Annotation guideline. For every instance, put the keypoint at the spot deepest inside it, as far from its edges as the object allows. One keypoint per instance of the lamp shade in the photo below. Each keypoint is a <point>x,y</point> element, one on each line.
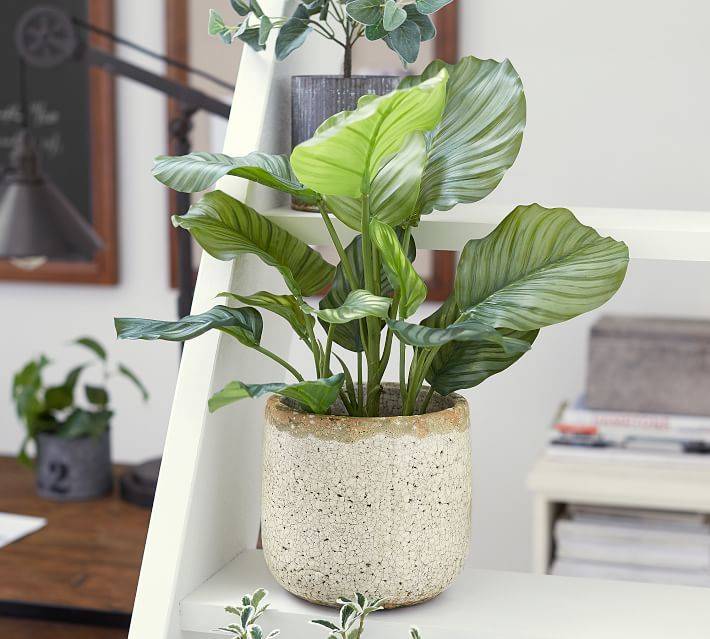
<point>36,219</point>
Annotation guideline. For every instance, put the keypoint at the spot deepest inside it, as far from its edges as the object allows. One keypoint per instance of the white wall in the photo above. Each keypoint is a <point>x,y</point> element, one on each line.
<point>617,116</point>
<point>41,317</point>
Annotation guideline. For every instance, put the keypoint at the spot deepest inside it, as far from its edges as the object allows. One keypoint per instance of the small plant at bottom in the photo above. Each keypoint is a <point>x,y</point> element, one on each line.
<point>350,623</point>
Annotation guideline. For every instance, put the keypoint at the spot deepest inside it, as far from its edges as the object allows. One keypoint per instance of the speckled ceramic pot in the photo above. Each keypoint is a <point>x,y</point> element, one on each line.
<point>379,505</point>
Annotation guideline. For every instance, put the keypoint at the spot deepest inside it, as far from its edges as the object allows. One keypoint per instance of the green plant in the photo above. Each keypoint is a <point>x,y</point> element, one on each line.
<point>403,25</point>
<point>54,410</point>
<point>349,625</point>
<point>443,138</point>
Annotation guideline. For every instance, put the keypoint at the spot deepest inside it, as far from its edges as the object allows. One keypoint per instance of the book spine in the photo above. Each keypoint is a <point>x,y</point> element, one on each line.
<point>608,422</point>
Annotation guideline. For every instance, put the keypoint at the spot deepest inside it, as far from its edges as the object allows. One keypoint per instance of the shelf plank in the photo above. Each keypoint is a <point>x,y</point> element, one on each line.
<point>650,234</point>
<point>481,604</point>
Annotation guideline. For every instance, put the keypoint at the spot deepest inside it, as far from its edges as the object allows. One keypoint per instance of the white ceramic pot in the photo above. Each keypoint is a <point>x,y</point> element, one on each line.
<point>379,505</point>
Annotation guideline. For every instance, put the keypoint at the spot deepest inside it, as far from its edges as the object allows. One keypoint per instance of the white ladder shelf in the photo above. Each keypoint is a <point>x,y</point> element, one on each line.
<point>205,519</point>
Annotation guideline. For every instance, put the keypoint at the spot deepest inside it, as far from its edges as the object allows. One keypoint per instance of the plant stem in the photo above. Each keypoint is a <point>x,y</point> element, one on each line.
<point>359,382</point>
<point>313,342</point>
<point>402,372</point>
<point>278,360</point>
<point>347,266</point>
<point>348,60</point>
<point>427,399</point>
<point>325,367</point>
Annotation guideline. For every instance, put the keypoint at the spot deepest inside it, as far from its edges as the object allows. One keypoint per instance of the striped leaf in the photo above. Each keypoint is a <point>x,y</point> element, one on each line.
<point>357,304</point>
<point>464,331</point>
<point>538,267</point>
<point>479,135</point>
<point>286,306</point>
<point>245,324</point>
<point>350,147</point>
<point>198,171</point>
<point>226,228</point>
<point>393,191</point>
<point>398,268</point>
<point>316,396</point>
<point>457,366</point>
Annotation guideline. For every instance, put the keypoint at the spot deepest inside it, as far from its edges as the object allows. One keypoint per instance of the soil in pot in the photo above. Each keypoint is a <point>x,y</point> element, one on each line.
<point>73,469</point>
<point>314,98</point>
<point>373,505</point>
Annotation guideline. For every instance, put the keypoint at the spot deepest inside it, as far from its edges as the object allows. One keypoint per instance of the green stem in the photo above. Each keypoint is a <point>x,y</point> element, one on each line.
<point>278,360</point>
<point>402,372</point>
<point>347,266</point>
<point>427,399</point>
<point>328,348</point>
<point>314,346</point>
<point>360,394</point>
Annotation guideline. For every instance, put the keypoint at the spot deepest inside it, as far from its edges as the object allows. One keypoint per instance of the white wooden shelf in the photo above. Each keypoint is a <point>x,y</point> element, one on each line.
<point>481,604</point>
<point>650,234</point>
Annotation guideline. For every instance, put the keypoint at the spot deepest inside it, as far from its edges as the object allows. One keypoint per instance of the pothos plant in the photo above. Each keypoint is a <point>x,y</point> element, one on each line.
<point>443,138</point>
<point>402,25</point>
<point>350,623</point>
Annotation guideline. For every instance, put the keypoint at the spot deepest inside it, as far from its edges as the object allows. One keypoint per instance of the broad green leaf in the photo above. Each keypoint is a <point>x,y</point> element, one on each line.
<point>394,190</point>
<point>256,8</point>
<point>265,26</point>
<point>375,31</point>
<point>62,396</point>
<point>325,623</point>
<point>215,24</point>
<point>83,423</point>
<point>427,30</point>
<point>465,365</point>
<point>131,376</point>
<point>198,171</point>
<point>357,304</point>
<point>538,267</point>
<point>393,15</point>
<point>293,33</point>
<point>317,396</point>
<point>286,306</point>
<point>365,11</point>
<point>463,331</point>
<point>430,6</point>
<point>258,596</point>
<point>349,148</point>
<point>405,40</point>
<point>245,324</point>
<point>250,36</point>
<point>398,268</point>
<point>241,7</point>
<point>479,135</point>
<point>96,395</point>
<point>226,228</point>
<point>93,346</point>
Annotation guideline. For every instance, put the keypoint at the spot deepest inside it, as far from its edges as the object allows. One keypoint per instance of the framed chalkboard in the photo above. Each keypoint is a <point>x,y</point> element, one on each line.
<point>72,119</point>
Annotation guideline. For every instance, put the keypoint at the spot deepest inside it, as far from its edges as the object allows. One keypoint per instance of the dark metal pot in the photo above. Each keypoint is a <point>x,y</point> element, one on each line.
<point>73,469</point>
<point>314,98</point>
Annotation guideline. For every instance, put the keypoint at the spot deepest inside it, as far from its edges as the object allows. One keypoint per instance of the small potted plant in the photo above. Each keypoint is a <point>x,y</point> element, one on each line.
<point>73,448</point>
<point>402,25</point>
<point>367,485</point>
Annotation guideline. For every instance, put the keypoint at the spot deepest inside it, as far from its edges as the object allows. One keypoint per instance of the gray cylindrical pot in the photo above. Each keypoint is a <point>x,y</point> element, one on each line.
<point>376,505</point>
<point>73,469</point>
<point>314,98</point>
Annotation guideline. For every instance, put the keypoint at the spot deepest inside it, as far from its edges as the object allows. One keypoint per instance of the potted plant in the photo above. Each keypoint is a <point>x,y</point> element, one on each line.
<point>366,485</point>
<point>73,449</point>
<point>401,25</point>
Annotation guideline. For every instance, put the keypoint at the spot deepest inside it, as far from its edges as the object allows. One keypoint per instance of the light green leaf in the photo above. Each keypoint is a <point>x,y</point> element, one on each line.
<point>198,171</point>
<point>293,33</point>
<point>265,26</point>
<point>393,15</point>
<point>538,267</point>
<point>394,190</point>
<point>430,6</point>
<point>350,147</point>
<point>215,24</point>
<point>405,40</point>
<point>226,228</point>
<point>399,269</point>
<point>93,346</point>
<point>130,375</point>
<point>245,324</point>
<point>357,304</point>
<point>479,135</point>
<point>365,11</point>
<point>286,306</point>
<point>317,396</point>
<point>463,331</point>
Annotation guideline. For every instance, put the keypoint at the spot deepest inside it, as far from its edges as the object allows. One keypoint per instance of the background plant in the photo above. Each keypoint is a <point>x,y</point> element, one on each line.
<point>55,410</point>
<point>350,623</point>
<point>443,138</point>
<point>402,25</point>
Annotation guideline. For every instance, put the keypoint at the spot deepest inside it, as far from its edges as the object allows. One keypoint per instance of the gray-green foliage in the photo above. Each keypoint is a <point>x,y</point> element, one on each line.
<point>402,24</point>
<point>56,409</point>
<point>443,138</point>
<point>350,623</point>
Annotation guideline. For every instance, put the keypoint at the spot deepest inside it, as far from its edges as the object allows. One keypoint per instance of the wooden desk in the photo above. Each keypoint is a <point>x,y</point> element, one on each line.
<point>82,567</point>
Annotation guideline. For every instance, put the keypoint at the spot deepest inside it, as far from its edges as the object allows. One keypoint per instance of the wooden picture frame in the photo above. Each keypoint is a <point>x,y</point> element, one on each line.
<point>446,47</point>
<point>103,269</point>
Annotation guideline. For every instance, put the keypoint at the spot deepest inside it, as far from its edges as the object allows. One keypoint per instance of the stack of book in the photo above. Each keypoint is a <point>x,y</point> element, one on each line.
<point>629,437</point>
<point>632,544</point>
